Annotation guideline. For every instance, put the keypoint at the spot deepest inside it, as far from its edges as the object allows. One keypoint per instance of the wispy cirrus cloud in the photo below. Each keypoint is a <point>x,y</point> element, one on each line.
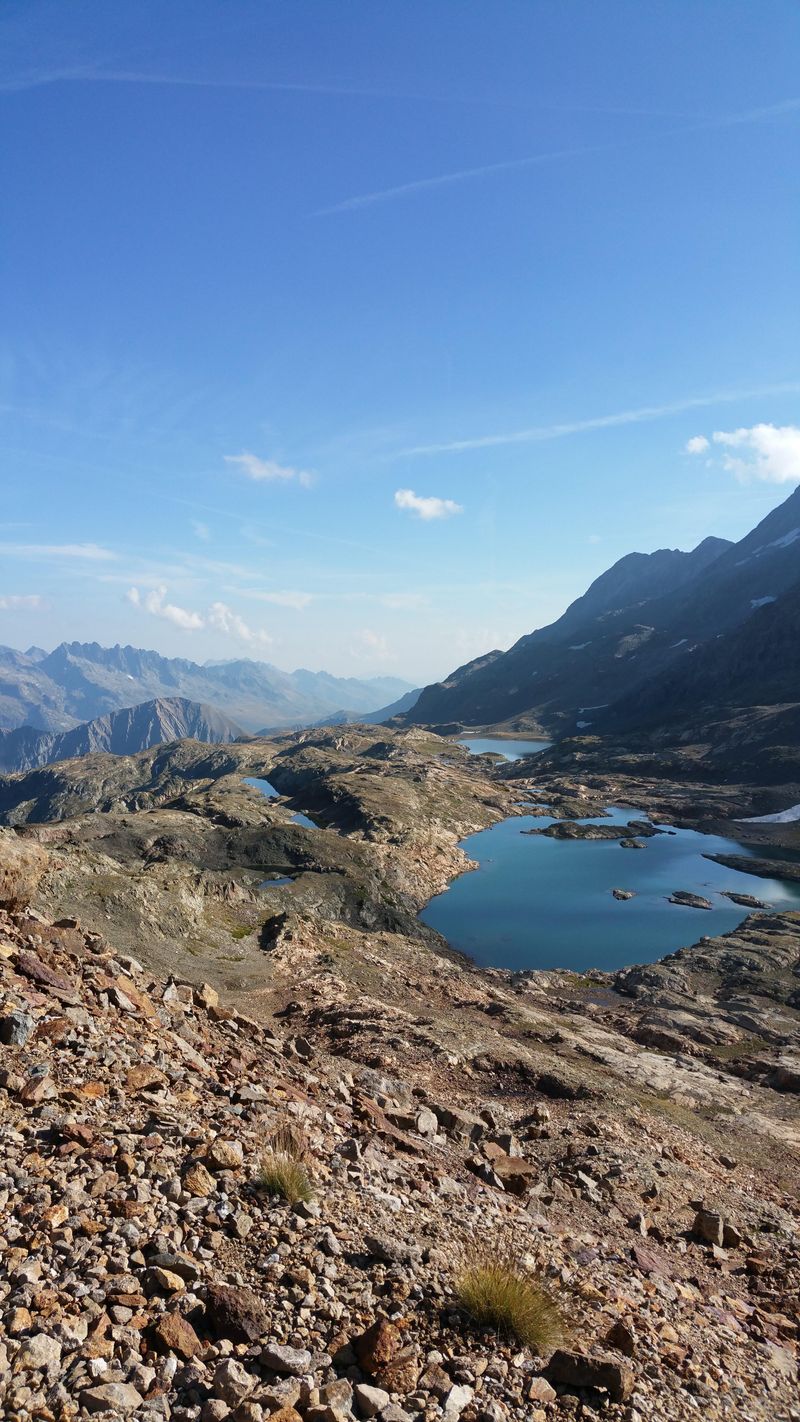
<point>91,552</point>
<point>764,452</point>
<point>459,175</point>
<point>486,170</point>
<point>426,508</point>
<point>268,471</point>
<point>21,602</point>
<point>287,598</point>
<point>642,414</point>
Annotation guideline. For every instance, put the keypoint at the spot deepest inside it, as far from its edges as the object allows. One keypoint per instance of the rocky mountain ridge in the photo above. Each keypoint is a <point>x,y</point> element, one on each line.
<point>124,732</point>
<point>639,629</point>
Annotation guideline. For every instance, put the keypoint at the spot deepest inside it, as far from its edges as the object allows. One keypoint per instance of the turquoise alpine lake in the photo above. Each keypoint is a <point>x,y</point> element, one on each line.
<point>536,902</point>
<point>509,749</point>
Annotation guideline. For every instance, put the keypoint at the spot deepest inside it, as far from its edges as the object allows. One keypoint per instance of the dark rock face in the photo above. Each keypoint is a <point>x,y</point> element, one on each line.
<point>235,1313</point>
<point>577,1370</point>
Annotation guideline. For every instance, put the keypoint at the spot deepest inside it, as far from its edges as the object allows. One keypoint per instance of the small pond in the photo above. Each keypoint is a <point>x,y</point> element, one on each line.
<point>265,786</point>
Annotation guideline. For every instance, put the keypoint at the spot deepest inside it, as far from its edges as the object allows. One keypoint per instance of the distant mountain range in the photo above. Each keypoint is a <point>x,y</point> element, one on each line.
<point>372,718</point>
<point>660,639</point>
<point>81,681</point>
<point>136,728</point>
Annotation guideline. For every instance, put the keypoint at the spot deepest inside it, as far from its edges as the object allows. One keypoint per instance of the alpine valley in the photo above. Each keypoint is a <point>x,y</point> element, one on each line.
<point>261,1119</point>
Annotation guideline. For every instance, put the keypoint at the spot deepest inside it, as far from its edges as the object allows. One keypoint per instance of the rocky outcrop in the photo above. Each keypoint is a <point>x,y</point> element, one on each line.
<point>22,866</point>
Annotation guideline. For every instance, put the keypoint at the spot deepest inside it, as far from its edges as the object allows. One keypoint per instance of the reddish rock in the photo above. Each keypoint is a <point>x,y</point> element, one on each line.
<point>172,1333</point>
<point>143,1078</point>
<point>378,1345</point>
<point>49,978</point>
<point>235,1313</point>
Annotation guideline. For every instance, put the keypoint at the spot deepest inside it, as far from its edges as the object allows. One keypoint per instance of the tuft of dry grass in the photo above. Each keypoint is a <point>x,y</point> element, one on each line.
<point>496,1291</point>
<point>282,1169</point>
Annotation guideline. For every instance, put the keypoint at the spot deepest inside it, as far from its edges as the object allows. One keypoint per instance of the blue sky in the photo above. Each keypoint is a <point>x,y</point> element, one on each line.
<point>364,335</point>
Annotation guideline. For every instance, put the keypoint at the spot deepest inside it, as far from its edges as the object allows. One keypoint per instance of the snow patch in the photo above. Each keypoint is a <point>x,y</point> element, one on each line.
<point>582,725</point>
<point>579,646</point>
<point>786,540</point>
<point>760,601</point>
<point>783,817</point>
<point>682,643</point>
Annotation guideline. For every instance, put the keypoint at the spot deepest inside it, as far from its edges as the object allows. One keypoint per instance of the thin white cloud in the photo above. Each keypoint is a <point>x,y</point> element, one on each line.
<point>770,453</point>
<point>268,470</point>
<point>426,508</point>
<point>89,551</point>
<point>223,619</point>
<point>21,602</point>
<point>698,444</point>
<point>201,530</point>
<point>461,175</point>
<point>297,600</point>
<point>640,415</point>
<point>155,603</point>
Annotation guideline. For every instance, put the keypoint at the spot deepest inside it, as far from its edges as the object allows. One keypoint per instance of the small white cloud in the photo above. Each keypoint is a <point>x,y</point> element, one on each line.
<point>223,619</point>
<point>698,444</point>
<point>594,538</point>
<point>268,470</point>
<point>21,602</point>
<point>201,530</point>
<point>370,646</point>
<point>219,617</point>
<point>426,508</point>
<point>767,452</point>
<point>155,603</point>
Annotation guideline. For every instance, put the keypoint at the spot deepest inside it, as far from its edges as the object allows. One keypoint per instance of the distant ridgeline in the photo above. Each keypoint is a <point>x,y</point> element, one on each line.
<point>80,681</point>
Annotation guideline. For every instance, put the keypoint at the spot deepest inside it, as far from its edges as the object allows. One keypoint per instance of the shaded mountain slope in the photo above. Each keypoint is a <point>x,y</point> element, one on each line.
<point>635,624</point>
<point>125,732</point>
